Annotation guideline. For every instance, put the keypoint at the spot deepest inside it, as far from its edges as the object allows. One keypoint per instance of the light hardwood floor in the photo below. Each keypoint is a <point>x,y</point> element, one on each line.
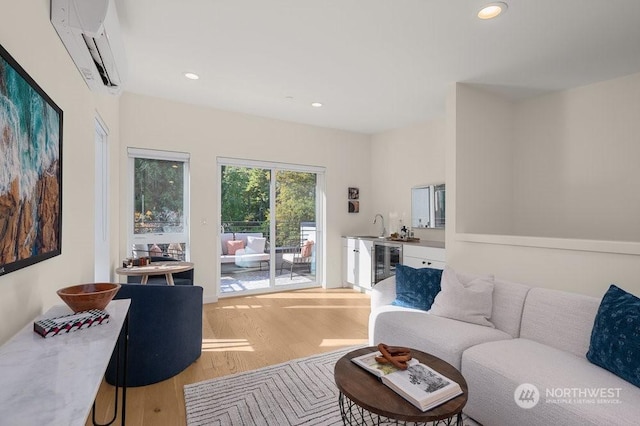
<point>245,333</point>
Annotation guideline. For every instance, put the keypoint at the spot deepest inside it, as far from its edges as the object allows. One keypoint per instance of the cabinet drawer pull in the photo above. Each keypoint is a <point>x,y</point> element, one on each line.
<point>424,262</point>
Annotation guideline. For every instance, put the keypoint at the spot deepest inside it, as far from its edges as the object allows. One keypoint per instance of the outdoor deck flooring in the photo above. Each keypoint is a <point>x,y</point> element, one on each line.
<point>243,280</point>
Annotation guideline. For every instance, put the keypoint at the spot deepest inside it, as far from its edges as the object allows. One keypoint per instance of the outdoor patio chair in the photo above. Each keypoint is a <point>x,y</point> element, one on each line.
<point>302,256</point>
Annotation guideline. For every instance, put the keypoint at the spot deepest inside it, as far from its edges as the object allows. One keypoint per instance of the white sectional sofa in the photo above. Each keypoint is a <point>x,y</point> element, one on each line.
<point>541,337</point>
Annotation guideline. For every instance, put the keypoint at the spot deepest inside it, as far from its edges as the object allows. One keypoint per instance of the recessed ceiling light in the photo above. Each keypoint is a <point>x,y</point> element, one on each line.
<point>191,76</point>
<point>491,10</point>
<point>316,104</point>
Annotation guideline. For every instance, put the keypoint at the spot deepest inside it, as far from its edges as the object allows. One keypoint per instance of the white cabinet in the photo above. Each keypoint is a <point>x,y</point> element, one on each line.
<point>357,258</point>
<point>417,256</point>
<point>356,255</point>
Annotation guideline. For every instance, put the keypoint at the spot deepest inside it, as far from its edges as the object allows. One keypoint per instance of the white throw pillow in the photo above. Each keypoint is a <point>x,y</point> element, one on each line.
<point>256,244</point>
<point>464,298</point>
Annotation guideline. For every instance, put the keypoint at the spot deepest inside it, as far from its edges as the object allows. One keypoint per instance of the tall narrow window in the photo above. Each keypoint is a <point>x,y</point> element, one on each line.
<point>159,215</point>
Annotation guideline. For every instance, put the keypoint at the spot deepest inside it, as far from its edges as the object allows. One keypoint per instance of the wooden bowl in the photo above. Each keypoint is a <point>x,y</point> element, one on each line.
<point>84,297</point>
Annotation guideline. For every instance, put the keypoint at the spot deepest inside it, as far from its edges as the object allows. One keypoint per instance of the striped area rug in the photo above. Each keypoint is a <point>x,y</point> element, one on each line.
<point>298,392</point>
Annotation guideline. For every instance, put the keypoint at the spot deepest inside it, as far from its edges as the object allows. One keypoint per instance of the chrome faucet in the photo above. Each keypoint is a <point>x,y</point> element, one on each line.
<point>384,230</point>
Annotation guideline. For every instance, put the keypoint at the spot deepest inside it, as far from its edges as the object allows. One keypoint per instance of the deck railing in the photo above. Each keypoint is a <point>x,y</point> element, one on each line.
<point>288,234</point>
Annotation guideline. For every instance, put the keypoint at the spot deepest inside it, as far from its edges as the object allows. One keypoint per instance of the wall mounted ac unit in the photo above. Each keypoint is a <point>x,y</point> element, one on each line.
<point>90,31</point>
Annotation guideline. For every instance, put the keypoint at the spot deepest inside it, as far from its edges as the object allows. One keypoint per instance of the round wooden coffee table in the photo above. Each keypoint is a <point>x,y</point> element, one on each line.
<point>156,268</point>
<point>365,400</point>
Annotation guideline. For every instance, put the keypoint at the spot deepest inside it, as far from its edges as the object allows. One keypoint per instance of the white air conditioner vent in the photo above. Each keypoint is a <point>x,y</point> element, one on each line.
<point>90,31</point>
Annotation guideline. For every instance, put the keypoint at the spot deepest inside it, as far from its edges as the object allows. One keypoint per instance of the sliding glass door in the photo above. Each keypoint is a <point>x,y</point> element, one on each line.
<point>270,226</point>
<point>245,231</point>
<point>295,220</point>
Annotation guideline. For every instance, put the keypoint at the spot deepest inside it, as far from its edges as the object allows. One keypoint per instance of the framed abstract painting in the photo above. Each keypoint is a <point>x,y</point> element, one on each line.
<point>30,170</point>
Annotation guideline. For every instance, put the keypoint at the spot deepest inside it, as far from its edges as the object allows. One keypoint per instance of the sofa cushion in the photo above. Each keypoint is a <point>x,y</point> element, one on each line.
<point>494,370</point>
<point>464,300</point>
<point>227,258</point>
<point>442,337</point>
<point>559,319</point>
<point>234,245</point>
<point>307,249</point>
<point>416,288</point>
<point>224,237</point>
<point>615,339</point>
<point>256,244</point>
<point>244,236</point>
<point>508,302</point>
<point>246,258</point>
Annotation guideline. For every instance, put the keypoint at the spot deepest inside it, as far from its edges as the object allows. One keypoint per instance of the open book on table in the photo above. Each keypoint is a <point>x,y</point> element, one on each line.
<point>419,384</point>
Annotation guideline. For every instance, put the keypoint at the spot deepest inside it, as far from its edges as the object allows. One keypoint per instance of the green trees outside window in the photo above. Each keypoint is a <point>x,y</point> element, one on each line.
<point>158,196</point>
<point>245,201</point>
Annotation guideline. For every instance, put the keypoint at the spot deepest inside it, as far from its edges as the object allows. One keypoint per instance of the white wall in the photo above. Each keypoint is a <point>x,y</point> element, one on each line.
<point>26,32</point>
<point>401,159</point>
<point>208,133</point>
<point>576,163</point>
<point>484,162</point>
<point>562,165</point>
<point>568,266</point>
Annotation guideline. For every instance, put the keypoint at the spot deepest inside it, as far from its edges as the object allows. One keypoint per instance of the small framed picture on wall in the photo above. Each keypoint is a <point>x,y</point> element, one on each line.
<point>354,193</point>
<point>354,206</point>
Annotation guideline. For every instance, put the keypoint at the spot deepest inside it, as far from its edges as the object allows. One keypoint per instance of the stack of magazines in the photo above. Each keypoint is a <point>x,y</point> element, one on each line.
<point>419,384</point>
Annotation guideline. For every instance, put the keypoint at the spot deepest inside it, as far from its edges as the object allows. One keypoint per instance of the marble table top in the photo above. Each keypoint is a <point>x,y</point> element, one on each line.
<point>54,381</point>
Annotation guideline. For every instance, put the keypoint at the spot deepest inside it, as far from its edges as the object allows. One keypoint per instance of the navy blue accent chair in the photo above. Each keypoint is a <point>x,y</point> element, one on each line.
<point>165,332</point>
<point>179,278</point>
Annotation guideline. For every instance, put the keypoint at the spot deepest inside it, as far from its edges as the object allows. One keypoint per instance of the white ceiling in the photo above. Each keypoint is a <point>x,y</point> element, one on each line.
<point>374,64</point>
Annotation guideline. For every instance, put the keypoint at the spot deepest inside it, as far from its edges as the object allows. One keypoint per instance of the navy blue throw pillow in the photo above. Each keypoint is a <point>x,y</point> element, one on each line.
<point>615,338</point>
<point>416,288</point>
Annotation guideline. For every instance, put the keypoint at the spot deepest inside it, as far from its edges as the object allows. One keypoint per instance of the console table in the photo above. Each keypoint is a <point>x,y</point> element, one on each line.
<point>54,381</point>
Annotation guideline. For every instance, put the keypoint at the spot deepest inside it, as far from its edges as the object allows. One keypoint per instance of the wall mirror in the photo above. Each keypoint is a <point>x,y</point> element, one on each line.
<point>428,206</point>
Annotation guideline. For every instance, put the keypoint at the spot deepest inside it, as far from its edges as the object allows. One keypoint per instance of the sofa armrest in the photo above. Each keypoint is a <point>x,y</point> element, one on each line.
<point>383,293</point>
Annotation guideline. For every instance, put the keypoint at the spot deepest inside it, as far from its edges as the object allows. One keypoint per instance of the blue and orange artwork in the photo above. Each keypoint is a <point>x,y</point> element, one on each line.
<point>30,169</point>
